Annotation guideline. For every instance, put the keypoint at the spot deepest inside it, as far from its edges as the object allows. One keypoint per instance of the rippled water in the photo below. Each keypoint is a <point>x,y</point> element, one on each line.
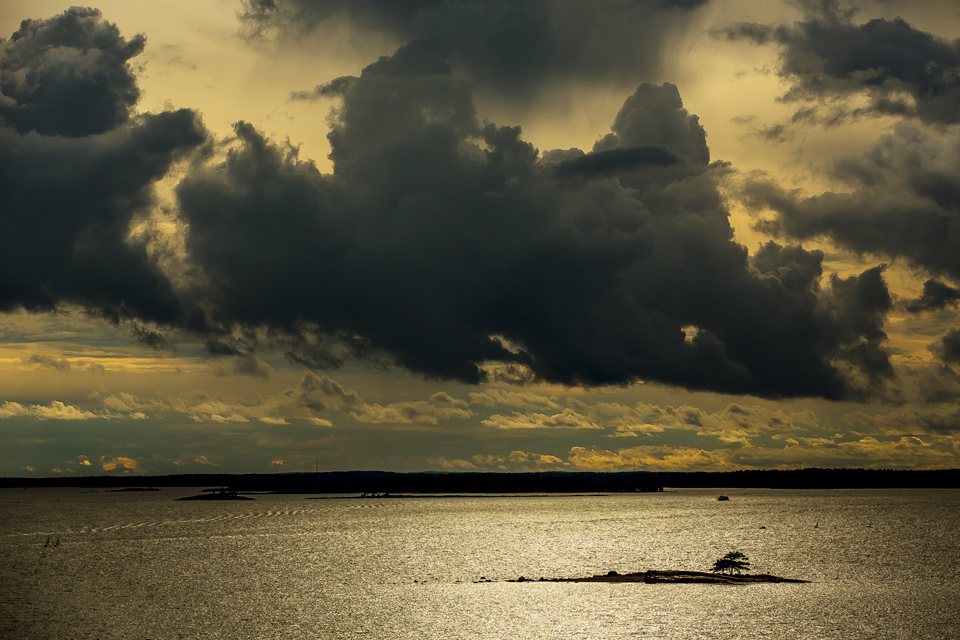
<point>883,564</point>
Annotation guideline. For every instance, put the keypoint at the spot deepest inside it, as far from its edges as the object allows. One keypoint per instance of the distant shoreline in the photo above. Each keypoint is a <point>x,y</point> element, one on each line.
<point>490,483</point>
<point>391,496</point>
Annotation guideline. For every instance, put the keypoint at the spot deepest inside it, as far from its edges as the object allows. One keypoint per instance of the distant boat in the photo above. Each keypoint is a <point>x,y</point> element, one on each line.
<point>723,498</point>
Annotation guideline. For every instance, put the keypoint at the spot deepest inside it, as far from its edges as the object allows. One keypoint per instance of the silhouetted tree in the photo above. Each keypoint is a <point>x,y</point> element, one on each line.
<point>734,562</point>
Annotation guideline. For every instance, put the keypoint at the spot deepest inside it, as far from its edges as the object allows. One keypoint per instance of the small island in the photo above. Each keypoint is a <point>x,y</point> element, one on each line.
<point>670,576</point>
<point>217,494</point>
<point>731,568</point>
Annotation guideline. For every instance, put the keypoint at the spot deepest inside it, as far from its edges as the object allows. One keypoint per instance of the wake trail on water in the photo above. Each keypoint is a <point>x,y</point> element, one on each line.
<point>87,530</point>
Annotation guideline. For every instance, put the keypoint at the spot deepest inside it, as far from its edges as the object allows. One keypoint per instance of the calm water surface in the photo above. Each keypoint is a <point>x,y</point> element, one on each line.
<point>883,564</point>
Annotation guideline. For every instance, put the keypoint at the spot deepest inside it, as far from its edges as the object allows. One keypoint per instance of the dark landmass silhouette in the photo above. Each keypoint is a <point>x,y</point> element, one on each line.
<point>444,496</point>
<point>217,494</point>
<point>673,576</point>
<point>386,482</point>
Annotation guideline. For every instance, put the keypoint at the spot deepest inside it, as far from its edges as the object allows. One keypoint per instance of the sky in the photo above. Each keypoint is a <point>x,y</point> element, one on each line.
<point>463,235</point>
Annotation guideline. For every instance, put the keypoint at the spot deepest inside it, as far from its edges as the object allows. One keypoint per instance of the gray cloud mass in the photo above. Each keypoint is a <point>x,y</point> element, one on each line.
<point>76,166</point>
<point>439,243</point>
<point>448,243</point>
<point>68,76</point>
<point>900,197</point>
<point>902,70</point>
<point>513,46</point>
<point>936,295</point>
<point>903,201</point>
<point>947,349</point>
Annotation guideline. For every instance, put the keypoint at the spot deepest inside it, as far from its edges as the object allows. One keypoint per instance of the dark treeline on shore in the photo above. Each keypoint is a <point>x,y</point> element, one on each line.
<point>549,482</point>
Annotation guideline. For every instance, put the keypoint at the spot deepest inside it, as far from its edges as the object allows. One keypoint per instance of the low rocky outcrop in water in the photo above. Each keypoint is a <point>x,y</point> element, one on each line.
<point>218,494</point>
<point>657,577</point>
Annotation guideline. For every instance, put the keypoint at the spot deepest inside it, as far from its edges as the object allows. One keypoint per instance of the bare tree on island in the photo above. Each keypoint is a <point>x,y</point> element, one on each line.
<point>734,562</point>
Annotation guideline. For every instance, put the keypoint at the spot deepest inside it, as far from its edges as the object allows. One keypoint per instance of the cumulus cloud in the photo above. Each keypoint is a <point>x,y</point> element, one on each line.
<point>897,199</point>
<point>76,166</point>
<point>55,410</point>
<point>217,411</point>
<point>868,451</point>
<point>452,464</point>
<point>902,71</point>
<point>734,423</point>
<point>525,461</point>
<point>311,396</point>
<point>947,348</point>
<point>901,202</point>
<point>936,295</point>
<point>68,76</point>
<point>516,461</point>
<point>522,399</point>
<point>649,458</point>
<point>566,419</point>
<point>321,392</point>
<point>440,406</point>
<point>439,243</point>
<point>480,251</point>
<point>937,420</point>
<point>642,417</point>
<point>120,463</point>
<point>311,399</point>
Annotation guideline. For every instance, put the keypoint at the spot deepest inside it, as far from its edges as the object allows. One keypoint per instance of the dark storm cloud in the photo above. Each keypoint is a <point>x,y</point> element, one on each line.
<point>446,244</point>
<point>76,166</point>
<point>150,338</point>
<point>859,305</point>
<point>903,202</point>
<point>615,160</point>
<point>941,381</point>
<point>903,71</point>
<point>439,243</point>
<point>936,295</point>
<point>67,76</point>
<point>947,349</point>
<point>504,44</point>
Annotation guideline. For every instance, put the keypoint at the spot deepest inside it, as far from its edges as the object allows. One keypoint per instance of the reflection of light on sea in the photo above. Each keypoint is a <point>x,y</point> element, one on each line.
<point>169,523</point>
<point>293,568</point>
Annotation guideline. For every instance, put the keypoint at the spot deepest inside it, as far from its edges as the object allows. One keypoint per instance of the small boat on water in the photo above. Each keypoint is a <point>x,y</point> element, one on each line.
<point>723,498</point>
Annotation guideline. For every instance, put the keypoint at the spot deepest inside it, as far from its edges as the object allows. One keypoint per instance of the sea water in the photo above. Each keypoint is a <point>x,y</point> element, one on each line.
<point>140,565</point>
